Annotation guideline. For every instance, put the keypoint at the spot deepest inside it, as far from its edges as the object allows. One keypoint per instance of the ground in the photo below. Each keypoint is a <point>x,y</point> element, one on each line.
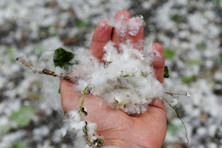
<point>189,31</point>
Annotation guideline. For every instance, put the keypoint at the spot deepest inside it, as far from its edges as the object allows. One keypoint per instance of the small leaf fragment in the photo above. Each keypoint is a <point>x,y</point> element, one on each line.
<point>194,62</point>
<point>24,116</point>
<point>4,129</point>
<point>178,18</point>
<point>11,54</point>
<point>19,144</point>
<point>168,53</point>
<point>173,129</point>
<point>166,72</point>
<point>220,28</point>
<point>216,2</point>
<point>81,24</point>
<point>62,58</point>
<point>201,46</point>
<point>188,79</point>
<point>219,59</point>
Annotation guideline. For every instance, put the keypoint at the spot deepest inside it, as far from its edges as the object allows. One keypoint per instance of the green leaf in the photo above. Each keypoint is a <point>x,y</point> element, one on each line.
<point>220,28</point>
<point>62,58</point>
<point>11,54</point>
<point>219,59</point>
<point>168,53</point>
<point>173,129</point>
<point>201,46</point>
<point>24,116</point>
<point>188,79</point>
<point>81,24</point>
<point>194,62</point>
<point>166,72</point>
<point>178,18</point>
<point>216,2</point>
<point>19,144</point>
<point>4,129</point>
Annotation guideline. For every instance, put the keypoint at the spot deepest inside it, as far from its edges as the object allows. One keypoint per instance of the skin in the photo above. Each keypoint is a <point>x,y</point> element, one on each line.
<point>117,128</point>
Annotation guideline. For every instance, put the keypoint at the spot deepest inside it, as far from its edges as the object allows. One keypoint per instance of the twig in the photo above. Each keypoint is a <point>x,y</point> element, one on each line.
<point>179,118</point>
<point>187,94</point>
<point>81,109</point>
<point>46,71</point>
<point>85,131</point>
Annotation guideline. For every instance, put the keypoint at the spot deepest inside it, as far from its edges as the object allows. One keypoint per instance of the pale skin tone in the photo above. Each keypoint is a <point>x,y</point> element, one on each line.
<point>117,128</point>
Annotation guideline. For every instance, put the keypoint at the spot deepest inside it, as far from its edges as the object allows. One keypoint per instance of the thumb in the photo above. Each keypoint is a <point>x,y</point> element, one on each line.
<point>69,95</point>
<point>96,107</point>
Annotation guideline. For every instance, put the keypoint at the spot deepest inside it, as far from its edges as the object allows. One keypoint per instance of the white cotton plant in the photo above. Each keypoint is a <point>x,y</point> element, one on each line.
<point>124,79</point>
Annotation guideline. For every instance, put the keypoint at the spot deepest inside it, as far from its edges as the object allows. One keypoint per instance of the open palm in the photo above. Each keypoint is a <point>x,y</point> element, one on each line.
<point>115,126</point>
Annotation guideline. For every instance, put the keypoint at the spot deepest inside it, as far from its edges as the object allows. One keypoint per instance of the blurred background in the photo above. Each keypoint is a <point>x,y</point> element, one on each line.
<point>190,32</point>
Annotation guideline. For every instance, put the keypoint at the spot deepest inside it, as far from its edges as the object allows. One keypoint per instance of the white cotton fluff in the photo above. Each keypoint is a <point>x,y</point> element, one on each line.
<point>134,25</point>
<point>75,124</point>
<point>120,27</point>
<point>125,79</point>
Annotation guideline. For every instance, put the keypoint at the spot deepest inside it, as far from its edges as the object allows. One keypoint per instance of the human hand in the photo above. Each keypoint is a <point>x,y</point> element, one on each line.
<point>115,126</point>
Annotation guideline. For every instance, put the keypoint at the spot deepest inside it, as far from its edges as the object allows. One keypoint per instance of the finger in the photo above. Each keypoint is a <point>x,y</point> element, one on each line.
<point>120,29</point>
<point>135,32</point>
<point>101,36</point>
<point>67,92</point>
<point>158,67</point>
<point>158,61</point>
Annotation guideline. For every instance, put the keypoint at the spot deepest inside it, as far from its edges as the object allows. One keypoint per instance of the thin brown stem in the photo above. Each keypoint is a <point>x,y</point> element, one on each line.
<point>46,71</point>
